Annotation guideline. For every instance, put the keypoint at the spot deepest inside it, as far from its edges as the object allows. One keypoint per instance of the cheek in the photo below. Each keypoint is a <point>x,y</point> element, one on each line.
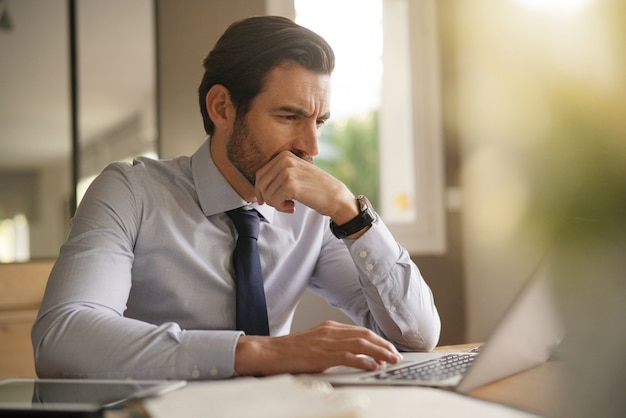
<point>274,137</point>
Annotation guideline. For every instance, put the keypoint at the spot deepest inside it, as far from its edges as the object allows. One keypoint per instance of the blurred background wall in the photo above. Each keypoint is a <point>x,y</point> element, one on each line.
<point>537,97</point>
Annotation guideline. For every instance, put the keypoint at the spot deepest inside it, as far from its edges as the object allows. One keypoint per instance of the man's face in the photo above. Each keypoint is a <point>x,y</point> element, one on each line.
<point>287,115</point>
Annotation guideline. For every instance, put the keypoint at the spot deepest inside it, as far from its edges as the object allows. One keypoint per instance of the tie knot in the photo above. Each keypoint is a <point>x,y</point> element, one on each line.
<point>246,222</point>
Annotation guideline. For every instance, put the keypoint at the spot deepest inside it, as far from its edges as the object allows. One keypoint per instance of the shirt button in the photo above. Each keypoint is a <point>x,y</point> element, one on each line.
<point>214,372</point>
<point>363,254</point>
<point>195,373</point>
<point>369,267</point>
<point>392,308</point>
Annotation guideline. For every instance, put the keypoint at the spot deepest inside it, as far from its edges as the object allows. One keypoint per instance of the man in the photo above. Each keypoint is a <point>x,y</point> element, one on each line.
<point>144,286</point>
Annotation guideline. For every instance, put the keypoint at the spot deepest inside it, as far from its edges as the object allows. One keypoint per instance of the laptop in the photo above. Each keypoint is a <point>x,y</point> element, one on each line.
<point>525,337</point>
<point>75,397</point>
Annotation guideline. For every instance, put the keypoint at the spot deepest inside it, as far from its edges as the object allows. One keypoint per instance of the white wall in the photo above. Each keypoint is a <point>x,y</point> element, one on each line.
<point>187,31</point>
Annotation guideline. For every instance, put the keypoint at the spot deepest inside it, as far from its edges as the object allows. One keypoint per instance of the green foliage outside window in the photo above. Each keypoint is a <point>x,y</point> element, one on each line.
<point>349,151</point>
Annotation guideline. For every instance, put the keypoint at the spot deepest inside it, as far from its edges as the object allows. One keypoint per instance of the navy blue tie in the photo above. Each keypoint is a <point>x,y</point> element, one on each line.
<point>251,308</point>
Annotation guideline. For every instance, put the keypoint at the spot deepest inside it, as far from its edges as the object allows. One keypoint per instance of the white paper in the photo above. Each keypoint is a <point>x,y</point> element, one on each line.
<point>423,402</point>
<point>282,396</point>
<point>289,396</point>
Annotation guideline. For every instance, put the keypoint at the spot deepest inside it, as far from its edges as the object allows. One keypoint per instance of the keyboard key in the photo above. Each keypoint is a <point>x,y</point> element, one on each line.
<point>442,368</point>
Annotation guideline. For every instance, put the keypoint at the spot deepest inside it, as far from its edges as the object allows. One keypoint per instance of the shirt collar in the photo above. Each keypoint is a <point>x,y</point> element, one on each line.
<point>215,194</point>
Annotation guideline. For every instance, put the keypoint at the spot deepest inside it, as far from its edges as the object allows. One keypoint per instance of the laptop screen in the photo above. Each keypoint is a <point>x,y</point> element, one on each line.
<point>525,337</point>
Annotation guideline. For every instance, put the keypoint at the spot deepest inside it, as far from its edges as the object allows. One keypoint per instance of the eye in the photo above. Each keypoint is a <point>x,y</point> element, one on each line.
<point>288,117</point>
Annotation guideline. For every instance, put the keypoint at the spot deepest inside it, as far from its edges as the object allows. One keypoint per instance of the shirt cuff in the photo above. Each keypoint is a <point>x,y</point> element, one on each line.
<point>207,354</point>
<point>371,251</point>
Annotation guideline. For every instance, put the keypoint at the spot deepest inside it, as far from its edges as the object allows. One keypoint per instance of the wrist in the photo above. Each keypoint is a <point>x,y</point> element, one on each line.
<point>247,354</point>
<point>346,207</point>
<point>358,223</point>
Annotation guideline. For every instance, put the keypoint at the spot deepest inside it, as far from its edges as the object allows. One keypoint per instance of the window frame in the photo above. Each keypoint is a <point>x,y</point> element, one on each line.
<point>425,234</point>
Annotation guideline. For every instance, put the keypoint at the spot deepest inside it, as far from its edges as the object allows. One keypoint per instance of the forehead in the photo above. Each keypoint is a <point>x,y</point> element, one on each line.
<point>294,85</point>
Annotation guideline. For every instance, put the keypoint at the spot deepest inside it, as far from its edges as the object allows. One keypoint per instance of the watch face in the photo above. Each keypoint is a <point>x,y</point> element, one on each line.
<point>364,204</point>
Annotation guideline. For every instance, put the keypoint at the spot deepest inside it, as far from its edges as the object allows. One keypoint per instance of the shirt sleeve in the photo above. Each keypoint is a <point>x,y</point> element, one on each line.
<point>386,293</point>
<point>81,332</point>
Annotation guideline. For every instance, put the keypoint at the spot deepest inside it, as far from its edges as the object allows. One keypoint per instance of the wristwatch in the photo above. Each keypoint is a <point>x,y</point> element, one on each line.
<point>365,218</point>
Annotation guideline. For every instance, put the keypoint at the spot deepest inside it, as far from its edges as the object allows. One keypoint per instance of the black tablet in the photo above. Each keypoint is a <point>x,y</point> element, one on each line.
<point>74,397</point>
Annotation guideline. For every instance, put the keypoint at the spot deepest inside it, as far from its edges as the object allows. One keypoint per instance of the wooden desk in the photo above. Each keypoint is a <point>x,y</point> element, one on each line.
<point>21,289</point>
<point>535,391</point>
<point>539,390</point>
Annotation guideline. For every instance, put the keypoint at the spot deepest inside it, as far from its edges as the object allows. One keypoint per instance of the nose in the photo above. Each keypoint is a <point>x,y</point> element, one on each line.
<point>308,140</point>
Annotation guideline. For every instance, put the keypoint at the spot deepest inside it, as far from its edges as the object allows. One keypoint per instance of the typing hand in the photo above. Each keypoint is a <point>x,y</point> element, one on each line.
<point>314,350</point>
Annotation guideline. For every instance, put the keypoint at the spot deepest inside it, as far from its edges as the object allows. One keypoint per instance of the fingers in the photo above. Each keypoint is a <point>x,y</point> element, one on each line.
<point>314,350</point>
<point>279,181</point>
<point>361,343</point>
<point>288,178</point>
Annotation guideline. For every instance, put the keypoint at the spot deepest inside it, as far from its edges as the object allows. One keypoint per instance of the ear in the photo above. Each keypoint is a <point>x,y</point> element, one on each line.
<point>219,107</point>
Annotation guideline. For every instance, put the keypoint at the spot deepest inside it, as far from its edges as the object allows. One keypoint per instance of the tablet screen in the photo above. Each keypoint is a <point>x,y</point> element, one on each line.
<point>76,395</point>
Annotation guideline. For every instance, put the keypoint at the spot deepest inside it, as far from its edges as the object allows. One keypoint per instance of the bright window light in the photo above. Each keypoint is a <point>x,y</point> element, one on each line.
<point>375,80</point>
<point>556,7</point>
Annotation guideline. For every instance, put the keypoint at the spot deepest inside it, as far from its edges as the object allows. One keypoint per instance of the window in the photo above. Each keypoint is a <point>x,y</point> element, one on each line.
<point>14,239</point>
<point>384,137</point>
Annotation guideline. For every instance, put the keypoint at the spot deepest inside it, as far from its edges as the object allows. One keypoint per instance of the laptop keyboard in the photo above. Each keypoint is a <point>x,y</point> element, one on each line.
<point>442,368</point>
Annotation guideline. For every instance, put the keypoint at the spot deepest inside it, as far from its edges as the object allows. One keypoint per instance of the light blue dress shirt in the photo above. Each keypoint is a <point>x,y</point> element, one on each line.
<point>143,287</point>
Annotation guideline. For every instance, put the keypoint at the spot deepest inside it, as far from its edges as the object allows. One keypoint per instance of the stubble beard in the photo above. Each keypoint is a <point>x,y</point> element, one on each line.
<point>243,151</point>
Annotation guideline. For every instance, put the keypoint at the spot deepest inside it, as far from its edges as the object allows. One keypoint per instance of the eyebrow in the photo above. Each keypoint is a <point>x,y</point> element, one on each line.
<point>301,112</point>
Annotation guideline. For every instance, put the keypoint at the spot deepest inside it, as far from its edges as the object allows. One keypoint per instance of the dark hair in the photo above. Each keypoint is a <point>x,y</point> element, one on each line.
<point>249,49</point>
